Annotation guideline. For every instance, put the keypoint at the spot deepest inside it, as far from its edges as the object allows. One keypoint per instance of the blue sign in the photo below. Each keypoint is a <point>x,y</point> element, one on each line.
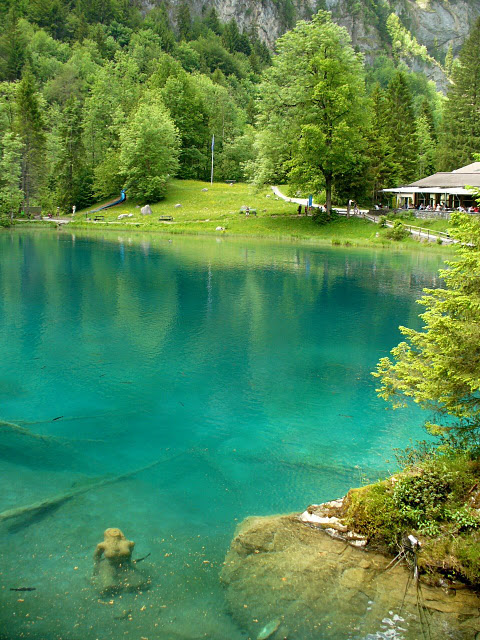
<point>310,201</point>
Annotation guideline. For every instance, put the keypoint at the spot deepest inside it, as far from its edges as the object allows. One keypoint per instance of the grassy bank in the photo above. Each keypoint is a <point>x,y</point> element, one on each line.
<point>432,224</point>
<point>205,207</point>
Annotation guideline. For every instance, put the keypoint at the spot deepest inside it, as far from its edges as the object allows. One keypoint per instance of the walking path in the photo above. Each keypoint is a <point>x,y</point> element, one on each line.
<point>43,219</point>
<point>419,232</point>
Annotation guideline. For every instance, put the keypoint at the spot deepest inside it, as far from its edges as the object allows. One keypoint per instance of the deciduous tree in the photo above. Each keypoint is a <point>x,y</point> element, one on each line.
<point>149,149</point>
<point>188,111</point>
<point>425,148</point>
<point>313,99</point>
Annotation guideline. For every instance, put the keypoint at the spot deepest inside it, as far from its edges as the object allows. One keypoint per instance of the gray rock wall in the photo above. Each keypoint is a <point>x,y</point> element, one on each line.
<point>435,23</point>
<point>447,22</point>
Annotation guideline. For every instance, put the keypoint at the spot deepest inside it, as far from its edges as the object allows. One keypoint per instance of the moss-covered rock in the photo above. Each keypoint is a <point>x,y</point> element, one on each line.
<point>438,501</point>
<point>370,511</point>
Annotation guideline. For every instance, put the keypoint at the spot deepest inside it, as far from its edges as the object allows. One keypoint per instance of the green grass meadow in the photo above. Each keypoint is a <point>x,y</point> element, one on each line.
<point>204,207</point>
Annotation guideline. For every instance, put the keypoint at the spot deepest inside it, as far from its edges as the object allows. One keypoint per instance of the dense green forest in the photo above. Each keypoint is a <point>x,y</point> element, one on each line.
<point>96,97</point>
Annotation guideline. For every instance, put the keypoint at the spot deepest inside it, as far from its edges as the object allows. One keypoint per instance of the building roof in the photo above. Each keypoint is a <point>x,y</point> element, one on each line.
<point>470,168</point>
<point>453,182</point>
<point>446,180</point>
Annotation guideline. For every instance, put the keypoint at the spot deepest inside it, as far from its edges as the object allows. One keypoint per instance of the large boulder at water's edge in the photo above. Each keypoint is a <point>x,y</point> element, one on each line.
<point>282,570</point>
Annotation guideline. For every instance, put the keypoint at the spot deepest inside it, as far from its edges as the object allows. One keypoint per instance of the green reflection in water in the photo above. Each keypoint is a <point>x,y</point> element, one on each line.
<point>246,362</point>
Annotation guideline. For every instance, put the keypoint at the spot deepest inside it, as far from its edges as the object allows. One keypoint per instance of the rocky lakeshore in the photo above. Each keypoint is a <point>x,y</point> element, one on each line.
<point>304,576</point>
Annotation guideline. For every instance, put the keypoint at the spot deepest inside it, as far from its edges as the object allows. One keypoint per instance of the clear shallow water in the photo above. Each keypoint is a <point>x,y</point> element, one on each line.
<point>243,366</point>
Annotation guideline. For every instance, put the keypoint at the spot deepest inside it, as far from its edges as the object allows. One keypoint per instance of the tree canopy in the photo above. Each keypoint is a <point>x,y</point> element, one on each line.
<point>439,366</point>
<point>461,123</point>
<point>73,74</point>
<point>313,99</point>
<point>149,148</point>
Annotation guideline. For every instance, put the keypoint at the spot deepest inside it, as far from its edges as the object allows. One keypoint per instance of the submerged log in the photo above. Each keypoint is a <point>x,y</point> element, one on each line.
<point>16,429</point>
<point>12,427</point>
<point>59,499</point>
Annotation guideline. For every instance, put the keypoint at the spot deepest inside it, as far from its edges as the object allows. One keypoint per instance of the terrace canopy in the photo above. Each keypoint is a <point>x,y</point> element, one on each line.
<point>447,188</point>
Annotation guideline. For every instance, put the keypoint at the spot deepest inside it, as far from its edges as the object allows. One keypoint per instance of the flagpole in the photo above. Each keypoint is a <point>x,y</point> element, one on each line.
<point>213,145</point>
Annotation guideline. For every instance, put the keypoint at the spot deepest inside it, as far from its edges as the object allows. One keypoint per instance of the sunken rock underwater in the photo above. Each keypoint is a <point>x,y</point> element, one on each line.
<point>302,576</point>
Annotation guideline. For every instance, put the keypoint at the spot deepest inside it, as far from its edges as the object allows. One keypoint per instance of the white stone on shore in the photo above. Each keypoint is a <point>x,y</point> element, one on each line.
<point>333,504</point>
<point>358,543</point>
<point>326,521</point>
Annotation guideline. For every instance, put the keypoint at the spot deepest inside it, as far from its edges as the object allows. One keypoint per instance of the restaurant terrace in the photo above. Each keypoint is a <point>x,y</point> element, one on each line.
<point>448,189</point>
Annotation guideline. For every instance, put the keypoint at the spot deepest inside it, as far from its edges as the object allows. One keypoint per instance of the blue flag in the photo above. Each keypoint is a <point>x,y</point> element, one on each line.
<point>213,142</point>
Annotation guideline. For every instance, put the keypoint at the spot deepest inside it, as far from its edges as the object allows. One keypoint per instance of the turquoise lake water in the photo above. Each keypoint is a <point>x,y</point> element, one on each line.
<point>241,366</point>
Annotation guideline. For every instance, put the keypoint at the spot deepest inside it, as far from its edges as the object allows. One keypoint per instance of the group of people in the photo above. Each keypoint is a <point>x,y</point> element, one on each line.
<point>421,207</point>
<point>428,207</point>
<point>441,207</point>
<point>300,209</point>
<point>470,209</point>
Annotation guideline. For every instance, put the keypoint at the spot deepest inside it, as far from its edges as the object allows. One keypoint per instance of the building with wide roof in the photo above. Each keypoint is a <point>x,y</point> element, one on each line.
<point>449,188</point>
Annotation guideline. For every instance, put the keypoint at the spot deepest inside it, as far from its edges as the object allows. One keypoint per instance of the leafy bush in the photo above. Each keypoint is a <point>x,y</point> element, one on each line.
<point>397,232</point>
<point>322,217</point>
<point>434,500</point>
<point>464,517</point>
<point>422,495</point>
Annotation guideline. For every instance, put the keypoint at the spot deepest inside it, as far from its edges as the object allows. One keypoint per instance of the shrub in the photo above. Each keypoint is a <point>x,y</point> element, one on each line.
<point>421,496</point>
<point>397,232</point>
<point>435,500</point>
<point>464,518</point>
<point>322,217</point>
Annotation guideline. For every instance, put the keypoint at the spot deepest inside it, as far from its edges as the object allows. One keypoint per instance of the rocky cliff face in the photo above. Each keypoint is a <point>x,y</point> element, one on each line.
<point>437,24</point>
<point>446,23</point>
